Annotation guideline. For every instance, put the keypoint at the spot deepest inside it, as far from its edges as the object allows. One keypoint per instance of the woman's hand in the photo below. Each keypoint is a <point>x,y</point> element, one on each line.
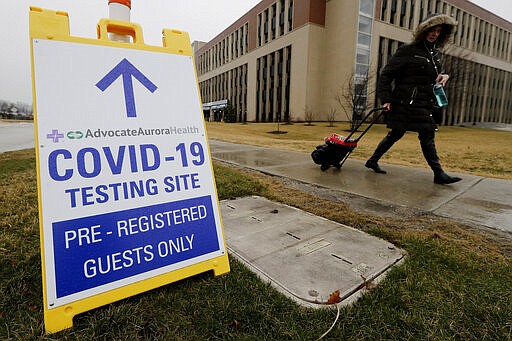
<point>387,106</point>
<point>442,78</point>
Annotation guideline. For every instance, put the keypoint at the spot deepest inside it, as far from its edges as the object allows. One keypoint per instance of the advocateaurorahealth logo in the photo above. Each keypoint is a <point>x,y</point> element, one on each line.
<point>56,136</point>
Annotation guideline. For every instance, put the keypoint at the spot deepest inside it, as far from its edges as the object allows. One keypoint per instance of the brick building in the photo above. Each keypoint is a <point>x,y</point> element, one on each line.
<point>290,59</point>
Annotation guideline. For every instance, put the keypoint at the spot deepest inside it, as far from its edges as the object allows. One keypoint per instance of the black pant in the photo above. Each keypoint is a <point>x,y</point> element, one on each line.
<point>428,147</point>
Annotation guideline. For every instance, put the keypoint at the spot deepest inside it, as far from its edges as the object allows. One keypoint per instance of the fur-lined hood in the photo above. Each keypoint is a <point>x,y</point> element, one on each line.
<point>432,20</point>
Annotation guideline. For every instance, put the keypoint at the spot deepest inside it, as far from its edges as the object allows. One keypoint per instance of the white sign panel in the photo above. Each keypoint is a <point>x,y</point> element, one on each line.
<point>127,190</point>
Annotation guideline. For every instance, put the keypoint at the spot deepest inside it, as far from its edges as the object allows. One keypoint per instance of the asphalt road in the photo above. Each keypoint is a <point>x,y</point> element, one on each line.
<point>16,136</point>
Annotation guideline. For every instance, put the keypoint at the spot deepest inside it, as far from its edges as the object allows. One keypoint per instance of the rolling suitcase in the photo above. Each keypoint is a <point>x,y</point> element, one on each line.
<point>336,149</point>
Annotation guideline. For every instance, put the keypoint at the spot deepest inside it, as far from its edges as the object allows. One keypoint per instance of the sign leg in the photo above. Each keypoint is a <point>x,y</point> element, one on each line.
<point>58,319</point>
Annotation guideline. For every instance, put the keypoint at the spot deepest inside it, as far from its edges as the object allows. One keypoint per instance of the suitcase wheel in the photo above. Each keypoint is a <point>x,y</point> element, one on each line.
<point>324,167</point>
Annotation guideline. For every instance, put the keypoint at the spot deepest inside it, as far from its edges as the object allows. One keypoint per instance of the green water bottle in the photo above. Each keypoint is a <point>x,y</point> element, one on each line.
<point>442,100</point>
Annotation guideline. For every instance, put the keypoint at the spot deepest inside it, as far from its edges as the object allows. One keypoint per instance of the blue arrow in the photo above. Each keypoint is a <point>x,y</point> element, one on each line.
<point>127,70</point>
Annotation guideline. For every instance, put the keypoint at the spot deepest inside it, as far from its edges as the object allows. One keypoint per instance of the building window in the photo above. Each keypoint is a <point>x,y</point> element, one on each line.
<point>265,26</point>
<point>411,16</point>
<point>366,7</point>
<point>273,86</point>
<point>403,13</point>
<point>393,11</point>
<point>273,21</point>
<point>281,17</point>
<point>364,39</point>
<point>259,29</point>
<point>383,10</point>
<point>290,16</point>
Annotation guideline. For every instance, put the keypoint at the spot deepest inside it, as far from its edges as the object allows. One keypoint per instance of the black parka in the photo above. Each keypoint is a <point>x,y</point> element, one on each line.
<point>411,97</point>
<point>407,80</point>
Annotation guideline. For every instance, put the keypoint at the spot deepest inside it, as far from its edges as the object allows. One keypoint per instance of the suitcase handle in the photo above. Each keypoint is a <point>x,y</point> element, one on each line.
<point>382,109</point>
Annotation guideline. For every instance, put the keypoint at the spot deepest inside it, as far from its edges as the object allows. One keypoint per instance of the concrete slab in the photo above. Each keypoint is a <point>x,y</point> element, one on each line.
<point>489,202</point>
<point>302,255</point>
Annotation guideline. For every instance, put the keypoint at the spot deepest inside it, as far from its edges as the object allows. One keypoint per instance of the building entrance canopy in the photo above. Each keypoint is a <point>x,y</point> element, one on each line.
<point>215,105</point>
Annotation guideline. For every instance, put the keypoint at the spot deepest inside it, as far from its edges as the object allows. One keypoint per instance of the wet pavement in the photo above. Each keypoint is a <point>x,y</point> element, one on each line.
<point>308,258</point>
<point>483,201</point>
<point>16,136</point>
<point>488,125</point>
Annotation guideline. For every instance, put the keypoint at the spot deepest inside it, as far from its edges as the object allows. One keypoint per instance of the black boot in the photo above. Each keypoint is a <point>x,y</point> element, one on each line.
<point>375,166</point>
<point>428,148</point>
<point>383,147</point>
<point>445,179</point>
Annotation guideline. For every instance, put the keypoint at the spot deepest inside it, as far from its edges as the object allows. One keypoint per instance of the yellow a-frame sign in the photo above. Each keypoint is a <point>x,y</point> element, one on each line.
<point>127,197</point>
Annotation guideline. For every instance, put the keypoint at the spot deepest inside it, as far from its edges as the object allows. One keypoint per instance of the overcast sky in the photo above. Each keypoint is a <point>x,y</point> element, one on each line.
<point>202,19</point>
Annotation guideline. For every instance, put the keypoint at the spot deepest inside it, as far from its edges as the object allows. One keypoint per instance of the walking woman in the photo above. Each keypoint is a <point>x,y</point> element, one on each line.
<point>406,88</point>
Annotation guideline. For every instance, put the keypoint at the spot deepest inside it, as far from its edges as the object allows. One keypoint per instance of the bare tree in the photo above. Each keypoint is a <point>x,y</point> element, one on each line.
<point>308,115</point>
<point>24,108</point>
<point>331,116</point>
<point>4,106</point>
<point>352,97</point>
<point>20,110</point>
<point>288,118</point>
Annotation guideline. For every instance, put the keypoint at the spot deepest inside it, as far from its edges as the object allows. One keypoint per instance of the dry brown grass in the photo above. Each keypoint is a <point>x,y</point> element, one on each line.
<point>477,151</point>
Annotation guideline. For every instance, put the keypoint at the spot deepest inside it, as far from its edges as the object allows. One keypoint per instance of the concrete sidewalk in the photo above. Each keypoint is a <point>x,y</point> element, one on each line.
<point>309,258</point>
<point>483,201</point>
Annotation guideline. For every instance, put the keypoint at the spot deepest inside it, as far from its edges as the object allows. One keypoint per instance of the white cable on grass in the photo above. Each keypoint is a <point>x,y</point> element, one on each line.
<point>333,324</point>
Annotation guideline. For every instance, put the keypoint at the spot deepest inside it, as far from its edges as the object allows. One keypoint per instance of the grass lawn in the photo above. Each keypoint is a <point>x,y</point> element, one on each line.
<point>454,284</point>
